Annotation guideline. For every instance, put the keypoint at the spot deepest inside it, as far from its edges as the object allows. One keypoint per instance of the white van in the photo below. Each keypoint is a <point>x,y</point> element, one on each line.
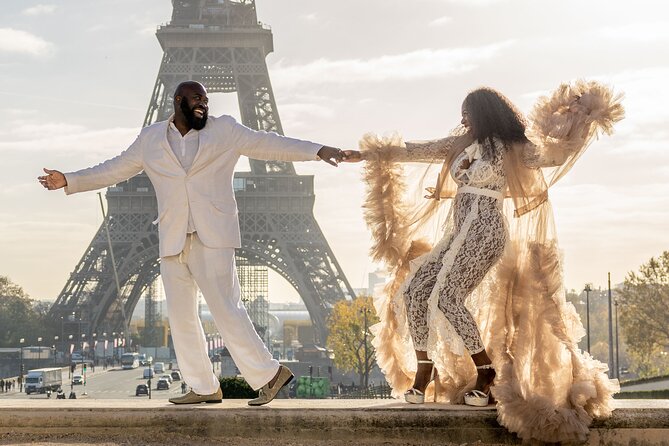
<point>159,367</point>
<point>148,373</point>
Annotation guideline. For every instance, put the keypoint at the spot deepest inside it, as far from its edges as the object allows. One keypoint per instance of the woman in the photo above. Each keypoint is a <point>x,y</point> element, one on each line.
<point>520,333</point>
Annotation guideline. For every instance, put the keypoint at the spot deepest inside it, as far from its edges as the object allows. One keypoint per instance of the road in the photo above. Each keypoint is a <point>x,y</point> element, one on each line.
<point>113,383</point>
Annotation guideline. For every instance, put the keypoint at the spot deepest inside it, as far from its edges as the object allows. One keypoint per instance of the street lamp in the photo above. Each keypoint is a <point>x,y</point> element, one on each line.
<point>69,365</point>
<point>39,351</point>
<point>73,318</point>
<point>365,311</point>
<point>611,364</point>
<point>115,343</point>
<point>82,337</point>
<point>617,355</point>
<point>55,341</point>
<point>95,345</point>
<point>21,341</point>
<point>587,290</point>
<point>104,351</point>
<point>62,336</point>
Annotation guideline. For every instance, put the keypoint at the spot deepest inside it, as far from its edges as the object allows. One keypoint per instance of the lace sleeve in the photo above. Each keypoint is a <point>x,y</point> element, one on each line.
<point>423,151</point>
<point>534,156</point>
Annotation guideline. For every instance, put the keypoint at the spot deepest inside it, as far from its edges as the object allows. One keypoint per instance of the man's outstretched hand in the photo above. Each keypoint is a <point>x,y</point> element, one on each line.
<point>331,155</point>
<point>52,180</point>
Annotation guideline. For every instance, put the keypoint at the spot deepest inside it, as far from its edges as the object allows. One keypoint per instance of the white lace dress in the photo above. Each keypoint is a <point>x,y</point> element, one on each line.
<point>471,245</point>
<point>547,390</point>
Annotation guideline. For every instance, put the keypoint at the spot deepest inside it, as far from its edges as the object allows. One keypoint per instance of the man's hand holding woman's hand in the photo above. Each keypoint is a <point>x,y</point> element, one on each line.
<point>334,156</point>
<point>352,156</point>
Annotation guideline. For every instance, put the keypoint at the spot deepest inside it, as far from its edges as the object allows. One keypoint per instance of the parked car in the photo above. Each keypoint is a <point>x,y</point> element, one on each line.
<point>148,373</point>
<point>159,367</point>
<point>167,377</point>
<point>176,375</point>
<point>163,384</point>
<point>77,379</point>
<point>141,389</point>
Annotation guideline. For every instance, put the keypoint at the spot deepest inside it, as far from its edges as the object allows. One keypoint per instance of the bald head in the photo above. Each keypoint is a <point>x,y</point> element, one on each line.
<point>191,107</point>
<point>189,86</point>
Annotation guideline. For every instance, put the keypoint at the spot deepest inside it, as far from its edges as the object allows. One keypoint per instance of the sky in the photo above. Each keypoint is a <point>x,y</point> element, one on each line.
<point>76,78</point>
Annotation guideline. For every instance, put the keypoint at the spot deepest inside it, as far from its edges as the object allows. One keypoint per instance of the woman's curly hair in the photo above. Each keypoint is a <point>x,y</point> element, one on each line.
<point>492,115</point>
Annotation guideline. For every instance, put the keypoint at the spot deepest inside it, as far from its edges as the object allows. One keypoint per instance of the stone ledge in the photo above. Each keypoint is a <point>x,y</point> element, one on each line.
<point>301,422</point>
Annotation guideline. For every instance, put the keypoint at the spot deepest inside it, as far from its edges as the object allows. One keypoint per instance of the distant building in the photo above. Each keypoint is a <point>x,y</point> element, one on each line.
<point>159,336</point>
<point>290,327</point>
<point>377,278</point>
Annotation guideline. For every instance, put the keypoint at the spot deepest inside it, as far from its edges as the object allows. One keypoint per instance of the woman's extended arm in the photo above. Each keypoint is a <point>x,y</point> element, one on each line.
<point>563,124</point>
<point>416,152</point>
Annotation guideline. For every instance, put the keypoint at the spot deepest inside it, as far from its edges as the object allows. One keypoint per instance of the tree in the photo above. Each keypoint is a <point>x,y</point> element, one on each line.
<point>9,288</point>
<point>349,336</point>
<point>20,316</point>
<point>644,316</point>
<point>16,313</point>
<point>599,326</point>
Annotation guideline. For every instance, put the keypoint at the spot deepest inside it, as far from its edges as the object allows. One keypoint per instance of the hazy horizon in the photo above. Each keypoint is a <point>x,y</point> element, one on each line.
<point>77,77</point>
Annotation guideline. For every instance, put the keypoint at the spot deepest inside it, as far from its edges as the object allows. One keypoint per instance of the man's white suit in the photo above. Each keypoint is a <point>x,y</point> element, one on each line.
<point>206,189</point>
<point>205,258</point>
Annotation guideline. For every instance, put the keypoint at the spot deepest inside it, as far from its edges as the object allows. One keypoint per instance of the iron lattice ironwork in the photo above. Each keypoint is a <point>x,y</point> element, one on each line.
<point>151,335</point>
<point>221,44</point>
<point>253,281</point>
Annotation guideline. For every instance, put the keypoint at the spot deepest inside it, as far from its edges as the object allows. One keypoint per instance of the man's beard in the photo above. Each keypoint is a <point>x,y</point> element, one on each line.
<point>193,121</point>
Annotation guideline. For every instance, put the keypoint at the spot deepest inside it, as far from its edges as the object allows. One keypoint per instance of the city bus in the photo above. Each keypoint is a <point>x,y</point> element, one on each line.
<point>130,360</point>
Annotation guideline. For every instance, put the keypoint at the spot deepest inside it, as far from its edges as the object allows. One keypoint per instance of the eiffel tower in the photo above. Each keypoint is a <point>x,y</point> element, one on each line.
<point>221,44</point>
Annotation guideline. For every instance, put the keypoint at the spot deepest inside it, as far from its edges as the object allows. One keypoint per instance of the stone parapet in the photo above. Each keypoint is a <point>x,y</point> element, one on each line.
<point>297,422</point>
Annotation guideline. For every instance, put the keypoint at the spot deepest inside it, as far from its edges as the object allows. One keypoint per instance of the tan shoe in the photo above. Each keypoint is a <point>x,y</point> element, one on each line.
<point>193,398</point>
<point>267,392</point>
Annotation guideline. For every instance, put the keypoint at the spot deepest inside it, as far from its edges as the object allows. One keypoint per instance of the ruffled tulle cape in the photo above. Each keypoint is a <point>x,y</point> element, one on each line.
<point>546,389</point>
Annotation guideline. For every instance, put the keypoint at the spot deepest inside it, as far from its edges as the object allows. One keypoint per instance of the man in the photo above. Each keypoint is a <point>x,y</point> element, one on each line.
<point>190,159</point>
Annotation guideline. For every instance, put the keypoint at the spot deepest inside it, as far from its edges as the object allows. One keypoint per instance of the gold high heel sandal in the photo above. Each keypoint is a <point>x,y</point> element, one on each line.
<point>415,396</point>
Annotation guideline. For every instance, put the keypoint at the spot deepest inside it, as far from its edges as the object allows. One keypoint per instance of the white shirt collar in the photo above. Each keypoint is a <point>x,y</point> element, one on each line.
<point>173,127</point>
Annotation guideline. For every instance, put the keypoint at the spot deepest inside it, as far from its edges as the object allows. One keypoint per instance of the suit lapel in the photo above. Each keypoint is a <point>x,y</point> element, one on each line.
<point>166,144</point>
<point>201,156</point>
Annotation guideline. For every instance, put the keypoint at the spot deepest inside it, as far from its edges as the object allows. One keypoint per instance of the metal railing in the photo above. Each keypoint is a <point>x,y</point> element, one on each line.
<point>372,392</point>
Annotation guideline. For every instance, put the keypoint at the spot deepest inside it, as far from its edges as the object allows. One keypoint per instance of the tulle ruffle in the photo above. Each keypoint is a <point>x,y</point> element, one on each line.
<point>546,388</point>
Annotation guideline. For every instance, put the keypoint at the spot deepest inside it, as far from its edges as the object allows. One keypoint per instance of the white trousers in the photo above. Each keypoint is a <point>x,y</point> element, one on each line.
<point>213,271</point>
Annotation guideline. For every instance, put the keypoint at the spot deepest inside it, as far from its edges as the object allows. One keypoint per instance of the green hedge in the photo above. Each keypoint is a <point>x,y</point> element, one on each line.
<point>309,387</point>
<point>643,394</point>
<point>236,388</point>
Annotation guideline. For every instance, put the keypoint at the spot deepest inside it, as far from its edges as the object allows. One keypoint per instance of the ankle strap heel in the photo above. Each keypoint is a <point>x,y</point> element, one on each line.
<point>476,397</point>
<point>415,396</point>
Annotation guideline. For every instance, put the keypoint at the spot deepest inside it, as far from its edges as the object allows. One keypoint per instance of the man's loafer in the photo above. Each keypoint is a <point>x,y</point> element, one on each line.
<point>267,392</point>
<point>193,398</point>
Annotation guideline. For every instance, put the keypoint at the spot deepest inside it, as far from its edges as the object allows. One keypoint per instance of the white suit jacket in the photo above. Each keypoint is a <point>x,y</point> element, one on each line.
<point>206,189</point>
